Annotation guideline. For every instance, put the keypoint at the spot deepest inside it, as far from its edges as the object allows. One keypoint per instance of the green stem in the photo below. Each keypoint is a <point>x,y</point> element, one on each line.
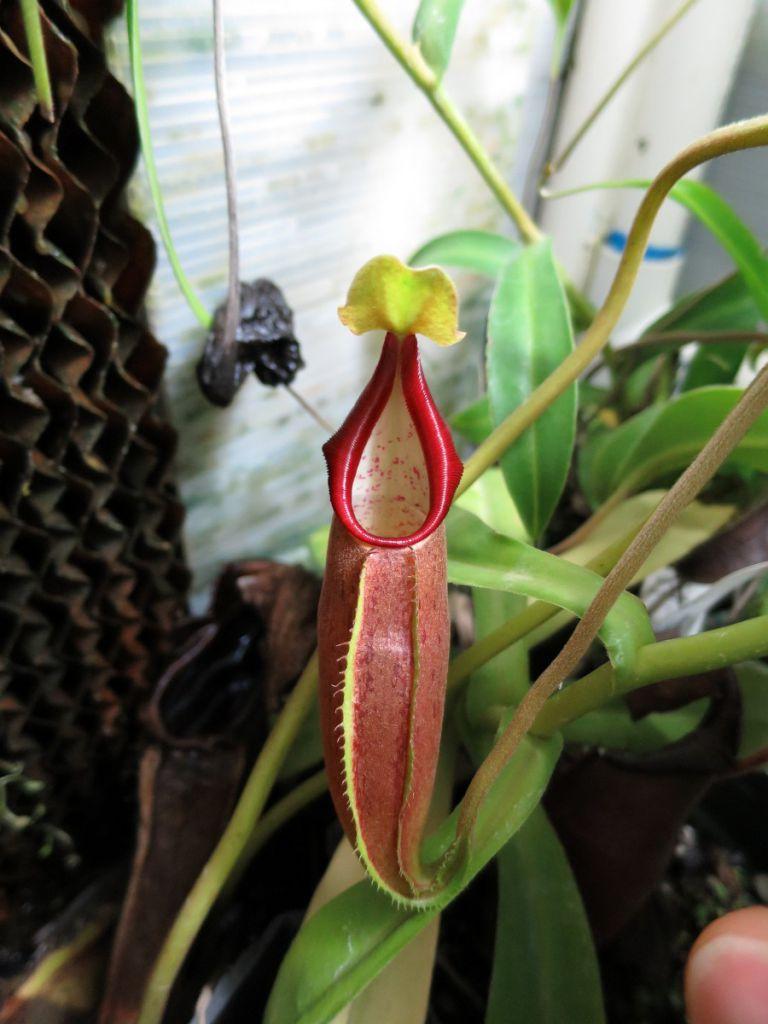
<point>409,58</point>
<point>529,231</point>
<point>33,28</point>
<point>668,659</point>
<point>605,99</point>
<point>743,135</point>
<point>230,850</point>
<point>145,137</point>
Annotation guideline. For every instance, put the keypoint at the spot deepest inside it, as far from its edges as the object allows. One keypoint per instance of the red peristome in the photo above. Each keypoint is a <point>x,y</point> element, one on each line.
<point>345,449</point>
<point>397,676</point>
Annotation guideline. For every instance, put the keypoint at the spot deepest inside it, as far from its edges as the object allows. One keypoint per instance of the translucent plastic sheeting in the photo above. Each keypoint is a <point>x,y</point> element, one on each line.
<point>338,158</point>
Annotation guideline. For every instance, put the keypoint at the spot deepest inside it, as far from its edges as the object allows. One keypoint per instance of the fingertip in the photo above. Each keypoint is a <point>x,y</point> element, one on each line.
<point>726,978</point>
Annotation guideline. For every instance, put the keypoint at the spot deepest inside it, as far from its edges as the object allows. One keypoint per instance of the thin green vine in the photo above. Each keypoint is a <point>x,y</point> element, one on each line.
<point>204,318</point>
<point>648,47</point>
<point>33,29</point>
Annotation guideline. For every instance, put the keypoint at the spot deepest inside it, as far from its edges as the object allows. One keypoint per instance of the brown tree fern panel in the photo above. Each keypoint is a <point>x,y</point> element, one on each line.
<point>92,575</point>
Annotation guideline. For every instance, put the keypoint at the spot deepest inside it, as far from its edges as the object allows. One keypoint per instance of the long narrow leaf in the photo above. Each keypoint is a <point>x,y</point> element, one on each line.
<point>726,303</point>
<point>544,963</point>
<point>399,994</point>
<point>529,335</point>
<point>697,523</point>
<point>733,234</point>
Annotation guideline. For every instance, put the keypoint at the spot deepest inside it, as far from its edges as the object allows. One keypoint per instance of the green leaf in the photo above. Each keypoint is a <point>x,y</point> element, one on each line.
<point>478,557</point>
<point>337,952</point>
<point>695,524</point>
<point>613,727</point>
<point>529,335</point>
<point>561,9</point>
<point>725,306</point>
<point>434,30</point>
<point>664,439</point>
<point>474,422</point>
<point>544,962</point>
<point>503,681</point>
<point>725,224</point>
<point>714,364</point>
<point>718,307</point>
<point>489,500</point>
<point>317,544</point>
<point>480,251</point>
<point>399,994</point>
<point>753,683</point>
<point>347,942</point>
<point>733,234</point>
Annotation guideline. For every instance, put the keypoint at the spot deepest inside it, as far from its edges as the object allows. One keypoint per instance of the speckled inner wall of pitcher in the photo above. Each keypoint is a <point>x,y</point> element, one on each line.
<point>339,157</point>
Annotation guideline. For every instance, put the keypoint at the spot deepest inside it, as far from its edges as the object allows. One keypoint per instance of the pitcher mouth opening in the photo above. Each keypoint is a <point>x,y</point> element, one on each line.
<point>392,465</point>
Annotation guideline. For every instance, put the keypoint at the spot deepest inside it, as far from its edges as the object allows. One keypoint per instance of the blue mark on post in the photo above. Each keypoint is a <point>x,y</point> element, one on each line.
<point>617,241</point>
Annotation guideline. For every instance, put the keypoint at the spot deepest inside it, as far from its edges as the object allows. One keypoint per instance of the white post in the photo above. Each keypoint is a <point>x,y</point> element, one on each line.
<point>673,97</point>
